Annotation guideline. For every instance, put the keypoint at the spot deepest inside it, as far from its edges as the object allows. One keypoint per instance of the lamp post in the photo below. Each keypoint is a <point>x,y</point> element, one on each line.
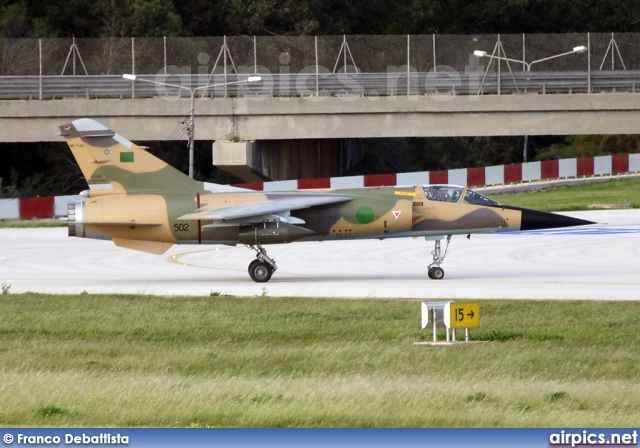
<point>483,54</point>
<point>192,91</point>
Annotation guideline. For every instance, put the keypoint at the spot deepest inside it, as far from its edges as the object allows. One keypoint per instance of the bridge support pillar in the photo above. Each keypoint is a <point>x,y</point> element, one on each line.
<point>256,161</point>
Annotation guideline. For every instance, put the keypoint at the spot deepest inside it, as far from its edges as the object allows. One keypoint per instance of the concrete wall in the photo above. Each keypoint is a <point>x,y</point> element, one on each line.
<point>286,159</point>
<point>268,118</point>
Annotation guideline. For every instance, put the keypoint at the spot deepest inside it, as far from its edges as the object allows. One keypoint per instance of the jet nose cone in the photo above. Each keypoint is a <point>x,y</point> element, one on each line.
<point>535,220</point>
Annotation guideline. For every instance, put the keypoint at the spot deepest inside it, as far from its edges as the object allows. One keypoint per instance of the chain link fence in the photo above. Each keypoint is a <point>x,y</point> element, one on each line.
<point>410,60</point>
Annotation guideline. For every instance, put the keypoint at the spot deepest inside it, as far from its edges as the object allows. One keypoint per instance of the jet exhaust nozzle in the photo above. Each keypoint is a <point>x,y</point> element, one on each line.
<point>75,213</point>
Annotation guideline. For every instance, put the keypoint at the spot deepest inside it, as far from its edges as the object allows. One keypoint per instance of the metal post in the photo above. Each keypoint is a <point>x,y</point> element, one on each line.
<point>164,39</point>
<point>613,59</point>
<point>73,55</point>
<point>133,67</point>
<point>224,49</point>
<point>408,71</point>
<point>191,133</point>
<point>453,332</point>
<point>344,47</point>
<point>40,78</point>
<point>255,56</point>
<point>524,150</point>
<point>433,40</point>
<point>317,69</point>
<point>499,65</point>
<point>448,337</point>
<point>466,334</point>
<point>588,62</point>
<point>524,64</point>
<point>435,332</point>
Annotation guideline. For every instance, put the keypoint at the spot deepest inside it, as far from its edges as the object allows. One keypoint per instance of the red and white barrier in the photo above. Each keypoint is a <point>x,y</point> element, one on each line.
<point>471,177</point>
<point>46,207</point>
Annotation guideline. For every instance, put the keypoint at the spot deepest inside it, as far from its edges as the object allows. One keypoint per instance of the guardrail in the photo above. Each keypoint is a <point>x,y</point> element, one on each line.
<point>322,84</point>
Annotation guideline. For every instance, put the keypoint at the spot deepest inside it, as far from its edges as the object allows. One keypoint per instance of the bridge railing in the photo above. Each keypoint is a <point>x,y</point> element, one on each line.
<point>328,84</point>
<point>330,65</point>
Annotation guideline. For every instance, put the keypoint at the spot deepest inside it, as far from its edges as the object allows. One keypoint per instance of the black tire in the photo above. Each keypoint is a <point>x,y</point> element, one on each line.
<point>438,273</point>
<point>430,273</point>
<point>259,271</point>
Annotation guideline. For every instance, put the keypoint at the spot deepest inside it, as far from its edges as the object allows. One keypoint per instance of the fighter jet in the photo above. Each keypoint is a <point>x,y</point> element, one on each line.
<point>140,202</point>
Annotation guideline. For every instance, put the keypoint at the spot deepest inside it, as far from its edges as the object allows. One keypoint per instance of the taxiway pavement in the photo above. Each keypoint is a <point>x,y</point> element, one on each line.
<point>600,262</point>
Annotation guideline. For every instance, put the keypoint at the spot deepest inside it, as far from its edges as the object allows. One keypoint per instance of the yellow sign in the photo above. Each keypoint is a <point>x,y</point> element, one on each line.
<point>462,315</point>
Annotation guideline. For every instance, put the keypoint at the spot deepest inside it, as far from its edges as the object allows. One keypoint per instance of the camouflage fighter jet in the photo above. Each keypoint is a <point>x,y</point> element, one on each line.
<point>141,203</point>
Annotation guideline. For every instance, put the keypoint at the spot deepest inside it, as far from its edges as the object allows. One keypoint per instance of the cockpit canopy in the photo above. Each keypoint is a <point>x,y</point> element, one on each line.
<point>452,193</point>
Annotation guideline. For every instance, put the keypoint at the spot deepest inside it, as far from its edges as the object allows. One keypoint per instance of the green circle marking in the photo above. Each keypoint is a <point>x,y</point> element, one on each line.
<point>365,214</point>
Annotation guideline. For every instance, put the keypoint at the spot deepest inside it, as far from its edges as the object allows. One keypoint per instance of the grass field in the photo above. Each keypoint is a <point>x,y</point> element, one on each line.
<point>578,197</point>
<point>33,223</point>
<point>253,362</point>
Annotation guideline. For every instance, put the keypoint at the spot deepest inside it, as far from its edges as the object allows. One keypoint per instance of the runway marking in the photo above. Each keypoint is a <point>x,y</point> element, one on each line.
<point>176,259</point>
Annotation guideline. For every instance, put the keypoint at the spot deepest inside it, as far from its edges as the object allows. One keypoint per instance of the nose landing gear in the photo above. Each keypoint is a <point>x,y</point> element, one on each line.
<point>262,268</point>
<point>435,272</point>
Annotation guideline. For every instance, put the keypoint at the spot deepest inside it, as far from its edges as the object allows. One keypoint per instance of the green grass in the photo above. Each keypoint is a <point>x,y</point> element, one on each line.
<point>33,223</point>
<point>578,197</point>
<point>262,362</point>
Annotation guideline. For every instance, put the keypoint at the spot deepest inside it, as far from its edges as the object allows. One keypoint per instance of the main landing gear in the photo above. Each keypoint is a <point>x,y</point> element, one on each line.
<point>435,271</point>
<point>262,268</point>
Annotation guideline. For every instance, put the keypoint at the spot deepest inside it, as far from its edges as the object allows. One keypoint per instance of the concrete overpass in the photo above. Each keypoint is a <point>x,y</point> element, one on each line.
<point>232,122</point>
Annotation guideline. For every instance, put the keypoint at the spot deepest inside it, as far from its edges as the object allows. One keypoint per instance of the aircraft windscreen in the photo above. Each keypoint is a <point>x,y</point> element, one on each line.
<point>477,199</point>
<point>442,193</point>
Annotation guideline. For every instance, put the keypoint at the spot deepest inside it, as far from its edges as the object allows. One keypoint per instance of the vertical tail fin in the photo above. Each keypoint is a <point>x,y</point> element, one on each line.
<point>111,162</point>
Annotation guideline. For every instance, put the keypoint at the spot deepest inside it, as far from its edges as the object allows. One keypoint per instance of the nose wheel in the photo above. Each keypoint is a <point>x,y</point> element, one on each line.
<point>435,272</point>
<point>262,268</point>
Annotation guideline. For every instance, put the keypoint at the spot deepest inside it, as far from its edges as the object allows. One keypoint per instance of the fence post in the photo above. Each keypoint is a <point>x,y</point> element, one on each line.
<point>317,80</point>
<point>433,39</point>
<point>73,54</point>
<point>588,62</point>
<point>40,63</point>
<point>344,56</point>
<point>408,68</point>
<point>224,49</point>
<point>133,67</point>
<point>524,58</point>
<point>499,66</point>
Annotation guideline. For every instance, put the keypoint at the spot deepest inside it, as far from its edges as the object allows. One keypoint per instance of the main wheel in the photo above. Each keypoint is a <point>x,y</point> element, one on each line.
<point>430,273</point>
<point>436,273</point>
<point>259,271</point>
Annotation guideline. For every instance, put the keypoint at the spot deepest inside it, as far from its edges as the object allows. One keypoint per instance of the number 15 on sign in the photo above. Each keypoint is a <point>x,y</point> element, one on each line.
<point>462,315</point>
